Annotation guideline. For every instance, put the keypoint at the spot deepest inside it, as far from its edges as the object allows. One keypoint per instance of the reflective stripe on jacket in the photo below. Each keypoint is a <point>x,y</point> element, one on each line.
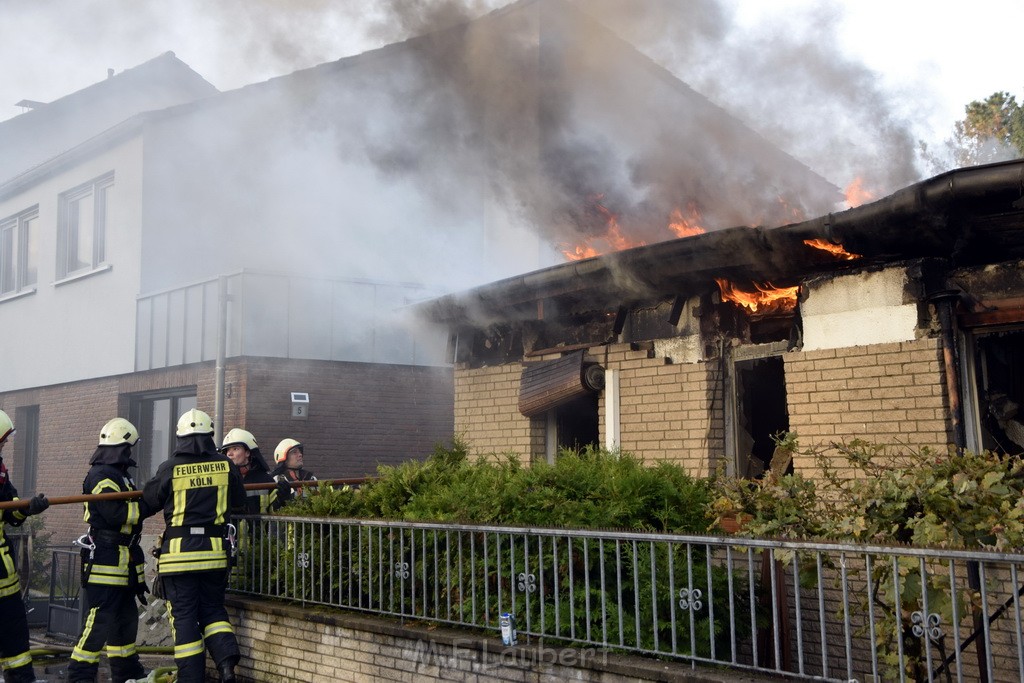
<point>197,493</point>
<point>114,562</point>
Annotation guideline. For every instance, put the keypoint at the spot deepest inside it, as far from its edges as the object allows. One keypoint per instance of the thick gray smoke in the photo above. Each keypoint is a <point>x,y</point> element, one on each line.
<point>788,83</point>
<point>789,80</point>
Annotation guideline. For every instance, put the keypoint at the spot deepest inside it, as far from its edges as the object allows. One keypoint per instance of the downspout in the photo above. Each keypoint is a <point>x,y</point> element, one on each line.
<point>944,301</point>
<point>222,341</point>
<point>730,446</point>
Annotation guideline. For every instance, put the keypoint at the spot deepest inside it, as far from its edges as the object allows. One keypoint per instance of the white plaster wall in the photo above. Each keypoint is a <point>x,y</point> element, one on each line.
<point>857,310</point>
<point>687,347</point>
<point>680,349</point>
<point>83,328</point>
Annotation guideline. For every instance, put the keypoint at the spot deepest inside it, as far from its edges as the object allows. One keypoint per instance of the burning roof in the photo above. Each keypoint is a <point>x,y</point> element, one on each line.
<point>969,216</point>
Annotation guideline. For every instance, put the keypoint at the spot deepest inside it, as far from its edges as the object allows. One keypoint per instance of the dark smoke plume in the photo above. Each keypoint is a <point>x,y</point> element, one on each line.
<point>791,86</point>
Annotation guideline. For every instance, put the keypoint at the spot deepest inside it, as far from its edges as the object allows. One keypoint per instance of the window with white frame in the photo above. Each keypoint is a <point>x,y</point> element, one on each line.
<point>18,255</point>
<point>82,226</point>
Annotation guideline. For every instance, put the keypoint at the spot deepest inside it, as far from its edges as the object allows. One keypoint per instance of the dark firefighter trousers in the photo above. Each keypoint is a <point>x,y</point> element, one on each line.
<point>195,607</point>
<point>112,619</point>
<point>17,662</point>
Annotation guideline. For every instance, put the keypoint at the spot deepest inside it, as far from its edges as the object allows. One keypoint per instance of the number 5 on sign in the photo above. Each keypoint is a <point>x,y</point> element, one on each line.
<point>300,405</point>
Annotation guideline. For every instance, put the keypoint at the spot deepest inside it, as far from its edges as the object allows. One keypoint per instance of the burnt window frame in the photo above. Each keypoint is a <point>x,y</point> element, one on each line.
<point>971,379</point>
<point>553,417</point>
<point>750,352</point>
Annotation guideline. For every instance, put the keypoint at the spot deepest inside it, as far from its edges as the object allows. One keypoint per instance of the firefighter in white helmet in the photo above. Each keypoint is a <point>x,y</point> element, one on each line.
<point>113,565</point>
<point>197,490</point>
<point>14,647</point>
<point>241,449</point>
<point>289,455</point>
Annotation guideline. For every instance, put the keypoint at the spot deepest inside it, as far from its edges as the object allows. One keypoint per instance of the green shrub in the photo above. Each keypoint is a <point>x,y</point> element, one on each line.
<point>592,489</point>
<point>583,489</point>
<point>873,493</point>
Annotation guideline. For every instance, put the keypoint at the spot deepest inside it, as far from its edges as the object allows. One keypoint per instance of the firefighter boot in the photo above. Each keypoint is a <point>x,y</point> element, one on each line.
<point>22,674</point>
<point>227,670</point>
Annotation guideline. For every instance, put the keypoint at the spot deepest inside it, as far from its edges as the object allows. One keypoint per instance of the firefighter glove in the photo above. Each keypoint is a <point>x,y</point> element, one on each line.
<point>37,504</point>
<point>284,490</point>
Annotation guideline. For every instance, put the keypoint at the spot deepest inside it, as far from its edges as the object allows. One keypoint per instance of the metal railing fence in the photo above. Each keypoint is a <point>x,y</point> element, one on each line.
<point>65,614</point>
<point>817,611</point>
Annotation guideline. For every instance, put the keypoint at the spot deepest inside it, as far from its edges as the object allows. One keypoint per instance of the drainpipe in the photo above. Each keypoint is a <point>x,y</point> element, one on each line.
<point>222,341</point>
<point>944,301</point>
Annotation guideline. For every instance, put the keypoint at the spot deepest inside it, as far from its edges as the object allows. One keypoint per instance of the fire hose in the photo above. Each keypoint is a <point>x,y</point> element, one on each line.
<point>162,674</point>
<point>129,495</point>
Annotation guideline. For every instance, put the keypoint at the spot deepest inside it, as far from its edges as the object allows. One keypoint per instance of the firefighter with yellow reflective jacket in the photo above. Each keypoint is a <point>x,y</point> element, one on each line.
<point>197,489</point>
<point>113,564</point>
<point>241,449</point>
<point>15,657</point>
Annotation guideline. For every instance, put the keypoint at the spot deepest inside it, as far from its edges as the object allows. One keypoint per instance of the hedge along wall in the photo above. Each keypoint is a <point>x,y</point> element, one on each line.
<point>288,642</point>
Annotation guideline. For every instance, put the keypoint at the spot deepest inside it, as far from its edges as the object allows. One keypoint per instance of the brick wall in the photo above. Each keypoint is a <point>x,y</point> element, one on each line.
<point>670,412</point>
<point>361,415</point>
<point>70,418</point>
<point>886,393</point>
<point>487,413</point>
<point>284,642</point>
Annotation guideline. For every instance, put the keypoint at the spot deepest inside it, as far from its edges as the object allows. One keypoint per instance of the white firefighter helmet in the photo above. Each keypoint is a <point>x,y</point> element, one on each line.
<point>194,422</point>
<point>117,432</point>
<point>239,437</point>
<point>281,452</point>
<point>6,426</point>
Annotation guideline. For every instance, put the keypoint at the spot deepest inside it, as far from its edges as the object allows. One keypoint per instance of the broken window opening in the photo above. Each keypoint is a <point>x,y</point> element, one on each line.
<point>761,413</point>
<point>998,359</point>
<point>577,424</point>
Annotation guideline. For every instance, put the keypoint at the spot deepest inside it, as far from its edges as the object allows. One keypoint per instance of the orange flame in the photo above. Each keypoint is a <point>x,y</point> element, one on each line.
<point>579,252</point>
<point>613,235</point>
<point>611,240</point>
<point>856,194</point>
<point>774,299</point>
<point>834,249</point>
<point>686,226</point>
<point>791,212</point>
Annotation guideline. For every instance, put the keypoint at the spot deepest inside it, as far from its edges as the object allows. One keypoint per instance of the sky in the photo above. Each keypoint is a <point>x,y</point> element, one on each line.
<point>884,64</point>
<point>933,57</point>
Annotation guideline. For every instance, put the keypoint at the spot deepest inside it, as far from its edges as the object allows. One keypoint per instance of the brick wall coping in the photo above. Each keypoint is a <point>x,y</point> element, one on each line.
<point>620,664</point>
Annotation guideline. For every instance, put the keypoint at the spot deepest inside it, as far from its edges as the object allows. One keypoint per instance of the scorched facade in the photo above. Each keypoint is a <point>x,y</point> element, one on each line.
<point>907,331</point>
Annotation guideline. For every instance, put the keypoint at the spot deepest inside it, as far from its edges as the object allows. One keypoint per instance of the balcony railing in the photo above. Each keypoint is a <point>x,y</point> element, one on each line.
<point>807,610</point>
<point>285,316</point>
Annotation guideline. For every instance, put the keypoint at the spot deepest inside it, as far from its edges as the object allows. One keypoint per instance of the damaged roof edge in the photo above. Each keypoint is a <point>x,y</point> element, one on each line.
<point>914,221</point>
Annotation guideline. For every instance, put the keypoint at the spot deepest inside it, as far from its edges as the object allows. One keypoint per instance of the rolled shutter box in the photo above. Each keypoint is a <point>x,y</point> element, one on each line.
<point>549,384</point>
